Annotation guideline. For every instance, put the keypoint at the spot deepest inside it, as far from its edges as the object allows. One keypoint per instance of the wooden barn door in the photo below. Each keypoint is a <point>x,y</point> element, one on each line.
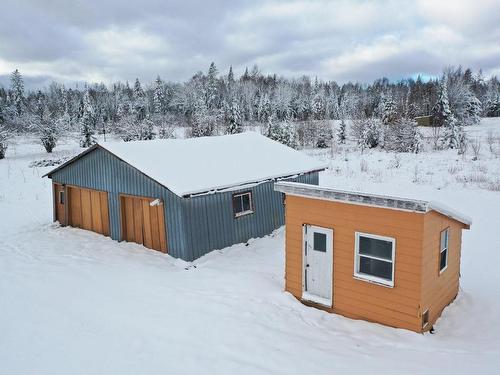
<point>88,209</point>
<point>143,222</point>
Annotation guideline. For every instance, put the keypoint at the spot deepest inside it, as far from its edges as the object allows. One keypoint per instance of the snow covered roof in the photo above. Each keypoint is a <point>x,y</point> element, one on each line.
<point>198,165</point>
<point>385,201</point>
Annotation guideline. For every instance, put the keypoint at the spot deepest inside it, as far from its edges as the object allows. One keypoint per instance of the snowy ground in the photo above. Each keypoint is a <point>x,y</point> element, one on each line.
<point>74,302</point>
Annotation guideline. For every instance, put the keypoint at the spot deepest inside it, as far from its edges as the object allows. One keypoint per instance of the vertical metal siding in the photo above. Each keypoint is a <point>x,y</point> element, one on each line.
<point>101,170</point>
<point>195,226</point>
<point>210,224</point>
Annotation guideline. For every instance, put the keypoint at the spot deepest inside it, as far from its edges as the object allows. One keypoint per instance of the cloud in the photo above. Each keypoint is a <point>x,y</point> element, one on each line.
<point>342,40</point>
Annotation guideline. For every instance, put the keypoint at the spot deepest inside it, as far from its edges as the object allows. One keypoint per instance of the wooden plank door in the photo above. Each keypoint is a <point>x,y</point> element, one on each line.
<point>88,209</point>
<point>143,222</point>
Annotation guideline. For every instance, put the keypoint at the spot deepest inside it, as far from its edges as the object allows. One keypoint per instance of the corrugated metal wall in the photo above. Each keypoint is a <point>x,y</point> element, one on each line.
<point>101,170</point>
<point>195,226</point>
<point>210,223</point>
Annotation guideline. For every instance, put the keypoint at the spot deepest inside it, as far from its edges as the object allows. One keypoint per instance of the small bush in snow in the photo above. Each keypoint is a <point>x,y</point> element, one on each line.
<point>395,163</point>
<point>475,146</point>
<point>403,136</point>
<point>363,166</point>
<point>490,139</point>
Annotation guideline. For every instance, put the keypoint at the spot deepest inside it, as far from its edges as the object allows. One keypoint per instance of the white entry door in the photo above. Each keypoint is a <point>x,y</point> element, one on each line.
<point>318,265</point>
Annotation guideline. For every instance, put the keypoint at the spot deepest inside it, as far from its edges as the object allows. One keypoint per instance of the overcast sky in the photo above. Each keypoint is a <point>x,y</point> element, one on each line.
<point>108,40</point>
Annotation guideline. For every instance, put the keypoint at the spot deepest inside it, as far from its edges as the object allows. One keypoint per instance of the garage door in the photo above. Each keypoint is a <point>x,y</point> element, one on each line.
<point>88,209</point>
<point>142,221</point>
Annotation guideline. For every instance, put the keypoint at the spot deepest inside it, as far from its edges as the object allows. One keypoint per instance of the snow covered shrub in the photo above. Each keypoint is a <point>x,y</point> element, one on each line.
<point>132,129</point>
<point>307,132</point>
<point>403,136</point>
<point>4,141</point>
<point>367,132</point>
<point>325,134</point>
<point>388,111</point>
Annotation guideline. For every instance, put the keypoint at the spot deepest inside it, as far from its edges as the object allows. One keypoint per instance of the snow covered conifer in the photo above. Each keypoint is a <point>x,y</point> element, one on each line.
<point>45,127</point>
<point>234,118</point>
<point>389,113</point>
<point>453,135</point>
<point>441,112</point>
<point>212,87</point>
<point>202,123</point>
<point>139,101</point>
<point>17,89</point>
<point>325,134</point>
<point>87,122</point>
<point>472,110</point>
<point>158,96</point>
<point>341,133</point>
<point>403,136</point>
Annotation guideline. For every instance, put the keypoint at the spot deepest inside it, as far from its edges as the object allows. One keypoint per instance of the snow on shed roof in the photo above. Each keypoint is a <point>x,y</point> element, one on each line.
<point>198,165</point>
<point>368,199</point>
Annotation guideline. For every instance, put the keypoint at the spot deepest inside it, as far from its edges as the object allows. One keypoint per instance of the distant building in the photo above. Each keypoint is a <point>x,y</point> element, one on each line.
<point>424,120</point>
<point>181,196</point>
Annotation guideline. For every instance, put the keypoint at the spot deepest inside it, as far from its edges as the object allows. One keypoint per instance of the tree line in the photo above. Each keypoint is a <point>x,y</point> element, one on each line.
<point>292,111</point>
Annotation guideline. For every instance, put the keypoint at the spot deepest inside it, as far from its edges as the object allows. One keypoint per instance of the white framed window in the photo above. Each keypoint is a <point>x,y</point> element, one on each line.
<point>242,204</point>
<point>443,250</point>
<point>374,258</point>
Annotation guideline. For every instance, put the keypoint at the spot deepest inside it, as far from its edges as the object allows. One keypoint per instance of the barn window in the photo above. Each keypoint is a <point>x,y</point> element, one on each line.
<point>242,204</point>
<point>374,258</point>
<point>61,197</point>
<point>443,250</point>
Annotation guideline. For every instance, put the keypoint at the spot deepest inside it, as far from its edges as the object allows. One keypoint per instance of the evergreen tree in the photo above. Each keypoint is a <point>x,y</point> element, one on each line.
<point>341,134</point>
<point>472,110</point>
<point>453,133</point>
<point>202,123</point>
<point>389,113</point>
<point>87,122</point>
<point>212,88</point>
<point>230,79</point>
<point>283,132</point>
<point>139,101</point>
<point>158,97</point>
<point>403,136</point>
<point>325,134</point>
<point>17,89</point>
<point>234,119</point>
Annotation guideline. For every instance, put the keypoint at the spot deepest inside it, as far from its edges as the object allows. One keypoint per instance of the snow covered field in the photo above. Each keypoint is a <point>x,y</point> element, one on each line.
<point>74,302</point>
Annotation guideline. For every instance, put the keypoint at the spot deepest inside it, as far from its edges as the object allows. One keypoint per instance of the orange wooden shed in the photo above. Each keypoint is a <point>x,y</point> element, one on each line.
<point>383,259</point>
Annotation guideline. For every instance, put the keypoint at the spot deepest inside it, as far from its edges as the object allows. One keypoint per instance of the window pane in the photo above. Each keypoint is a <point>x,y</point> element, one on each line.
<point>444,239</point>
<point>246,202</point>
<point>319,242</point>
<point>61,197</point>
<point>378,248</point>
<point>237,206</point>
<point>375,267</point>
<point>443,261</point>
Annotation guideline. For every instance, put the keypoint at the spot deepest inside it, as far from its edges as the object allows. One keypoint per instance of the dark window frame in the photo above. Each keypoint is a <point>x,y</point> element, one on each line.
<point>240,195</point>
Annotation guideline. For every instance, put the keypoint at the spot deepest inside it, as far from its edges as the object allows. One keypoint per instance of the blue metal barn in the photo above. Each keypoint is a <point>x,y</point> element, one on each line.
<point>184,197</point>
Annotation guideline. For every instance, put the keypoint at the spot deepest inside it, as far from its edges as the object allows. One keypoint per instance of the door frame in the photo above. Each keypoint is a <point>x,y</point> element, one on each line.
<point>122,223</point>
<point>306,296</point>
